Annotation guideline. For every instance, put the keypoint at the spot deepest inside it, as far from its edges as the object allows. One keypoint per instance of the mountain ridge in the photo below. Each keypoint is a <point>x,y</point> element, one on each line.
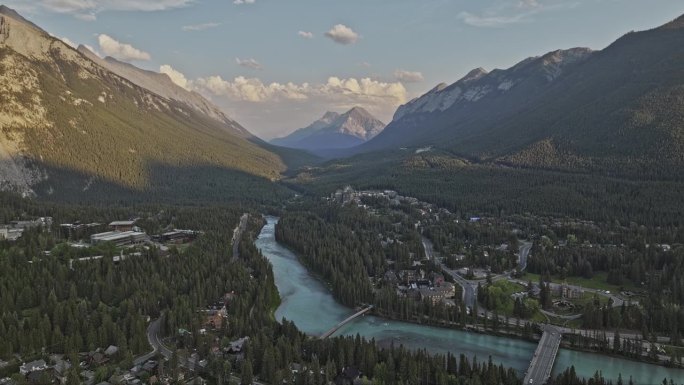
<point>613,111</point>
<point>334,131</point>
<point>69,125</point>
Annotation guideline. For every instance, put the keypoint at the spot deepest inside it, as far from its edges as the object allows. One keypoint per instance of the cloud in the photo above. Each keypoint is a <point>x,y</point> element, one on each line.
<point>199,27</point>
<point>338,91</point>
<point>490,21</point>
<point>306,35</point>
<point>68,42</point>
<point>250,89</point>
<point>85,16</point>
<point>121,51</point>
<point>249,63</point>
<point>175,76</point>
<point>93,50</point>
<point>408,76</point>
<point>88,9</point>
<point>529,4</point>
<point>513,12</point>
<point>238,2</point>
<point>342,34</point>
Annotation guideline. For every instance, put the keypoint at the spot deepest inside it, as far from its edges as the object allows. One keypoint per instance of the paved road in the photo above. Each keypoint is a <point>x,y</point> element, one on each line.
<point>429,249</point>
<point>523,253</point>
<point>469,287</point>
<point>544,357</point>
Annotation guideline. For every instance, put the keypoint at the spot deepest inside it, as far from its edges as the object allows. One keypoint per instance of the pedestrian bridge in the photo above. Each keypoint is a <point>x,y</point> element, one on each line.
<point>346,321</point>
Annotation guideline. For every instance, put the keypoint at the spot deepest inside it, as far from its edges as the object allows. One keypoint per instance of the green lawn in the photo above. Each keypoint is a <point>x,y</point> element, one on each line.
<point>598,282</point>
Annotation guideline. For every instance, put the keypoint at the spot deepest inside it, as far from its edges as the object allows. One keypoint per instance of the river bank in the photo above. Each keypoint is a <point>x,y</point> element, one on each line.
<point>309,304</point>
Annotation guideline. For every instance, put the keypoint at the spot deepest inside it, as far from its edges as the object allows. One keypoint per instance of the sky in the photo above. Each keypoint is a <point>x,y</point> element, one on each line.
<point>278,65</point>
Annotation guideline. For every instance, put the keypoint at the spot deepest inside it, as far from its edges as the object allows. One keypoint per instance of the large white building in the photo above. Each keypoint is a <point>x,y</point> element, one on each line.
<point>119,238</point>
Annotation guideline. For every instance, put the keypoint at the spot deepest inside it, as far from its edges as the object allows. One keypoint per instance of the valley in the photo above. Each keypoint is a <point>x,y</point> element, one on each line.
<point>520,225</point>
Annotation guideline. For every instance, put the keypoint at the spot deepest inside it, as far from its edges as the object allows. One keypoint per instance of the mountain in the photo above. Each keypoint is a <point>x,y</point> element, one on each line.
<point>334,131</point>
<point>73,125</point>
<point>617,111</point>
<point>163,86</point>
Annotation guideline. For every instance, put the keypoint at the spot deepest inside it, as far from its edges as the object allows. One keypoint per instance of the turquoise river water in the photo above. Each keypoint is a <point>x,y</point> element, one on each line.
<point>311,306</point>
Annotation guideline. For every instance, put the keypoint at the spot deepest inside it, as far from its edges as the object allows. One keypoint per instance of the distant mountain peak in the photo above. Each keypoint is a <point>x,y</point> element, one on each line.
<point>475,74</point>
<point>677,23</point>
<point>329,116</point>
<point>439,87</point>
<point>4,10</point>
<point>335,130</point>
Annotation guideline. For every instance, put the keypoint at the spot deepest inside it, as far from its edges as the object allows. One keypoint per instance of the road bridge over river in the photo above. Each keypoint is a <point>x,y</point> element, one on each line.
<point>544,357</point>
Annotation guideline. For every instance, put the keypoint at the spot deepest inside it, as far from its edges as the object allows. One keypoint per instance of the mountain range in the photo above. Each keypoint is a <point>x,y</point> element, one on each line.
<point>73,124</point>
<point>618,111</point>
<point>77,126</point>
<point>334,131</point>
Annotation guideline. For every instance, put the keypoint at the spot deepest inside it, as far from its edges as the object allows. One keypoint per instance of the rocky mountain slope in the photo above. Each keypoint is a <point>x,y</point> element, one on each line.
<point>70,125</point>
<point>618,111</point>
<point>334,131</point>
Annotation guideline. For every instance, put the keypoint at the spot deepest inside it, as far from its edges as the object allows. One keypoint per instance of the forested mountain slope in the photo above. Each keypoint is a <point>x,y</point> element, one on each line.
<point>71,128</point>
<point>619,111</point>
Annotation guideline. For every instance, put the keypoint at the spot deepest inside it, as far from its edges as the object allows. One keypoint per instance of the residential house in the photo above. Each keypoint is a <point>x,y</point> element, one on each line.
<point>122,225</point>
<point>33,366</point>
<point>349,376</point>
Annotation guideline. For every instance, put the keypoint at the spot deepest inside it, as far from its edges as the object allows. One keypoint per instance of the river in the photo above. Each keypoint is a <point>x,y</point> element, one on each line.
<point>310,305</point>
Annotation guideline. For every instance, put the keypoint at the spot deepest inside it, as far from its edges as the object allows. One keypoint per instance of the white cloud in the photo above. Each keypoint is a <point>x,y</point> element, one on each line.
<point>408,76</point>
<point>88,9</point>
<point>85,16</point>
<point>68,42</point>
<point>337,91</point>
<point>490,21</point>
<point>238,2</point>
<point>528,4</point>
<point>305,34</point>
<point>175,76</point>
<point>342,34</point>
<point>250,89</point>
<point>121,51</point>
<point>249,63</point>
<point>93,50</point>
<point>199,27</point>
<point>513,12</point>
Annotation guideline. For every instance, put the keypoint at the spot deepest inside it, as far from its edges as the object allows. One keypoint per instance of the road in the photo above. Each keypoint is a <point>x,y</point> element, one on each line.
<point>153,339</point>
<point>523,253</point>
<point>429,249</point>
<point>237,235</point>
<point>469,287</point>
<point>544,357</point>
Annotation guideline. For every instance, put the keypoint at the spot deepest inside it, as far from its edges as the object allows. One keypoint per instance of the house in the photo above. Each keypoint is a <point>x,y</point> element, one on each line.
<point>178,236</point>
<point>96,358</point>
<point>391,277</point>
<point>122,225</point>
<point>10,234</point>
<point>62,370</point>
<point>349,376</point>
<point>41,377</point>
<point>437,279</point>
<point>431,295</point>
<point>33,366</point>
<point>111,350</point>
<point>237,345</point>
